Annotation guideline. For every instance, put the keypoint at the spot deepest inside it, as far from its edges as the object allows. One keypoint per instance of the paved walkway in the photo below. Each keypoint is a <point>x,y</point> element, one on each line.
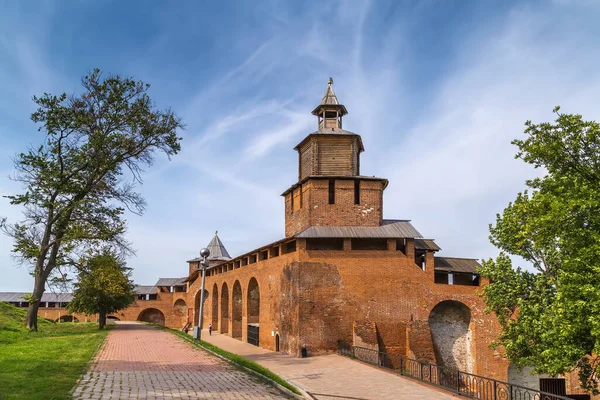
<point>332,377</point>
<point>138,361</point>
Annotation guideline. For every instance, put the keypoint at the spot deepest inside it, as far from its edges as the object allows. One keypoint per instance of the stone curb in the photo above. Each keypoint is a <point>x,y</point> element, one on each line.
<point>268,380</point>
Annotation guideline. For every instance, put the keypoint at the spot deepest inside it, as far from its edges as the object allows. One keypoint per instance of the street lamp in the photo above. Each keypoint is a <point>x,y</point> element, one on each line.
<point>204,253</point>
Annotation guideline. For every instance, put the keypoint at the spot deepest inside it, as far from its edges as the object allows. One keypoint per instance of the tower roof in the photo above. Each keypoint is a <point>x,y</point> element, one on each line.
<point>217,249</point>
<point>331,100</point>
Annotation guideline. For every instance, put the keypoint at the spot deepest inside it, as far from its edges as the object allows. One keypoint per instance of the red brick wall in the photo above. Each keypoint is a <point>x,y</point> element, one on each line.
<point>278,307</point>
<point>313,298</point>
<point>175,317</point>
<point>316,210</point>
<point>398,294</point>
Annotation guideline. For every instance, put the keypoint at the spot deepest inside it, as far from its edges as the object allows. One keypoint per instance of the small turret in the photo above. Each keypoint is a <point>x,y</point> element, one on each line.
<point>330,112</point>
<point>217,249</point>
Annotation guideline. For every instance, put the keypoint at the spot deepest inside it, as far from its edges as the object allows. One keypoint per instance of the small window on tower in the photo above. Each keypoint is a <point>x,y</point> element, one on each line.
<point>332,191</point>
<point>357,191</point>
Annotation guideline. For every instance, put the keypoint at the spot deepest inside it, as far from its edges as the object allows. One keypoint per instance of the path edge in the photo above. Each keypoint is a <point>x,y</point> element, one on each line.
<point>283,389</point>
<point>90,362</point>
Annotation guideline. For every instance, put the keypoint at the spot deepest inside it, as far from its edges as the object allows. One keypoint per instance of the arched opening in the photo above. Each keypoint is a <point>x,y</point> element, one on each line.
<point>180,307</point>
<point>224,328</point>
<point>152,315</point>
<point>277,342</point>
<point>236,310</point>
<point>67,318</point>
<point>215,307</point>
<point>113,318</point>
<point>449,322</point>
<point>253,312</point>
<point>180,311</point>
<point>204,309</point>
<point>253,301</point>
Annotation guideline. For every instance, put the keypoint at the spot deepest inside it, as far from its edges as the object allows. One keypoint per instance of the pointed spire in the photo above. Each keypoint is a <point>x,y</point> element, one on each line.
<point>217,249</point>
<point>329,98</point>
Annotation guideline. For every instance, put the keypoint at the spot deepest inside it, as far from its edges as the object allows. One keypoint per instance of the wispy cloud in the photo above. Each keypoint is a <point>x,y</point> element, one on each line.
<point>436,92</point>
<point>292,124</point>
<point>457,160</point>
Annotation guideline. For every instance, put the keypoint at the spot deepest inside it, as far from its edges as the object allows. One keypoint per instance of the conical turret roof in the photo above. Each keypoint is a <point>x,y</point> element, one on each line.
<point>330,101</point>
<point>217,249</point>
<point>329,98</point>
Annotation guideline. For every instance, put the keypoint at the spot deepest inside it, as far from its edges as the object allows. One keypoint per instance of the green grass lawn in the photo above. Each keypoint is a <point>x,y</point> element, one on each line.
<point>44,364</point>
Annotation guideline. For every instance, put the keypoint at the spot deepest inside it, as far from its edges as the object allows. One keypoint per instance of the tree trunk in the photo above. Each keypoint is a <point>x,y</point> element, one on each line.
<point>32,311</point>
<point>102,319</point>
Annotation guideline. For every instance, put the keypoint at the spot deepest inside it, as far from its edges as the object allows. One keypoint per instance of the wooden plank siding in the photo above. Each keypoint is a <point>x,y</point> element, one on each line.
<point>331,123</point>
<point>307,160</point>
<point>329,155</point>
<point>336,156</point>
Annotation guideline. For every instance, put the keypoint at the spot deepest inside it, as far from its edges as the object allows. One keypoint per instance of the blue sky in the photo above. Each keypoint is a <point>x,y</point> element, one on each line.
<point>437,89</point>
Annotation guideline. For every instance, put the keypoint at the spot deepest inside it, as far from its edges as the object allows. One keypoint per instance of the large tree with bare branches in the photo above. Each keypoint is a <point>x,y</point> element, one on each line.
<point>79,181</point>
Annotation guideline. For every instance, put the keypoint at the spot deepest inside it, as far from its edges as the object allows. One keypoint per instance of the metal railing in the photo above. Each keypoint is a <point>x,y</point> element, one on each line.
<point>463,383</point>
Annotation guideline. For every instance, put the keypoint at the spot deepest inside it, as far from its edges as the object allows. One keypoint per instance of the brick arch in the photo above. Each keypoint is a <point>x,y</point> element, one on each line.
<point>152,315</point>
<point>215,306</point>
<point>473,306</point>
<point>253,301</point>
<point>197,308</point>
<point>66,318</point>
<point>180,306</point>
<point>224,328</point>
<point>450,325</point>
<point>236,310</point>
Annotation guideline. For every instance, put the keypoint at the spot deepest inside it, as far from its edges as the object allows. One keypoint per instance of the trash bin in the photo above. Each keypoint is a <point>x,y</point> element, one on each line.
<point>196,333</point>
<point>304,352</point>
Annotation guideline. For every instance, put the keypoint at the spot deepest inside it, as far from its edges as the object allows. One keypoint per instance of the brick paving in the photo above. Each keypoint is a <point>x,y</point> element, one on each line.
<point>141,362</point>
<point>333,377</point>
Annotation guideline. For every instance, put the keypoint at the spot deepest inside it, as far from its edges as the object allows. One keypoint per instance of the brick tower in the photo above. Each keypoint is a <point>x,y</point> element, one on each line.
<point>330,190</point>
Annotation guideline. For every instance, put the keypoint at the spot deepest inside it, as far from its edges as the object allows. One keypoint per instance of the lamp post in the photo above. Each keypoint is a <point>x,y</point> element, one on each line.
<point>204,253</point>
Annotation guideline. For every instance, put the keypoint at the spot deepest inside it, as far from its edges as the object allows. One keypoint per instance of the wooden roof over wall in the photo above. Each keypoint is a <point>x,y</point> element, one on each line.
<point>451,264</point>
<point>389,229</point>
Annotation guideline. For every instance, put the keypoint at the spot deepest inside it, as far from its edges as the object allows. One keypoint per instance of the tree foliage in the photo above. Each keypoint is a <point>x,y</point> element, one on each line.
<point>550,319</point>
<point>76,185</point>
<point>103,286</point>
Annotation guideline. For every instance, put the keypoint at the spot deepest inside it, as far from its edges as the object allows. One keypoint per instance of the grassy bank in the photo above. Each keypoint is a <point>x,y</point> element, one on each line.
<point>237,359</point>
<point>44,364</point>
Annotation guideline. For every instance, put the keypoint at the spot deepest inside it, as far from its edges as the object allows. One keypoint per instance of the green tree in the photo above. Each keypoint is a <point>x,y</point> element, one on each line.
<point>103,286</point>
<point>75,188</point>
<point>550,319</point>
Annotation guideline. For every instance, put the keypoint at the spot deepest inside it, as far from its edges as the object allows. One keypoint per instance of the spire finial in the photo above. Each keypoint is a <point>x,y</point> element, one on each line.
<point>330,81</point>
<point>216,233</point>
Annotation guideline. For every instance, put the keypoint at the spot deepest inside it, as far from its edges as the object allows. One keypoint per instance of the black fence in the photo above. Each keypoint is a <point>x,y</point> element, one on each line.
<point>463,383</point>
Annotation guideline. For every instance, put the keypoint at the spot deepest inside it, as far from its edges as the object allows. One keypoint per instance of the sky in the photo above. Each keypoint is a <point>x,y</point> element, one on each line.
<point>437,89</point>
